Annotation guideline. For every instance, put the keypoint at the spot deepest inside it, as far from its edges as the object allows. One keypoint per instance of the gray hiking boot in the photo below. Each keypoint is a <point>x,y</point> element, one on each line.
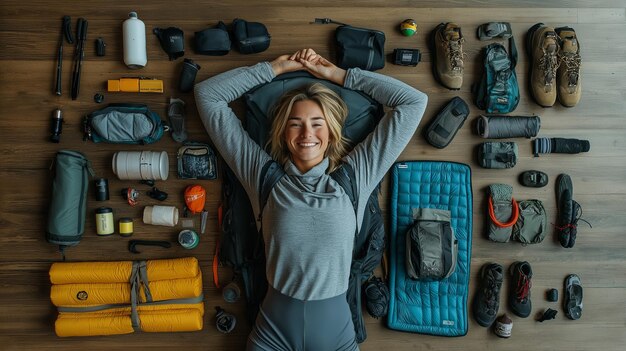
<point>447,48</point>
<point>487,299</point>
<point>542,45</point>
<point>519,294</point>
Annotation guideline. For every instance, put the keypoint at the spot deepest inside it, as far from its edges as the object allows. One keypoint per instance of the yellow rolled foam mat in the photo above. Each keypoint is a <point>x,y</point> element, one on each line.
<point>88,324</point>
<point>113,293</point>
<point>94,298</point>
<point>119,272</point>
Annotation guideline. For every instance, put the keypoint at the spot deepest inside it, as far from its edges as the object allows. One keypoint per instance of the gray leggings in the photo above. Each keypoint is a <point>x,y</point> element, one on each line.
<point>285,323</point>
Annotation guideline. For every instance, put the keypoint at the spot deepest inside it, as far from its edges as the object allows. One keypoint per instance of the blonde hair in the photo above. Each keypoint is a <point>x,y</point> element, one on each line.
<point>335,112</point>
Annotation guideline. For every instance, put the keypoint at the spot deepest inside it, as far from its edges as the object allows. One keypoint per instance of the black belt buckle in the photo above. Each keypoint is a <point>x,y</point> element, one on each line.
<point>406,57</point>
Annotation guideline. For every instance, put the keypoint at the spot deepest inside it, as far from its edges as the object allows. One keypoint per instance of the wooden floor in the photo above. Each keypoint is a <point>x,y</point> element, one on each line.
<point>29,32</point>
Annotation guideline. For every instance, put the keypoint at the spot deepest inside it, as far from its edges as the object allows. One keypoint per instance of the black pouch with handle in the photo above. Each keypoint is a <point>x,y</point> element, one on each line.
<point>358,47</point>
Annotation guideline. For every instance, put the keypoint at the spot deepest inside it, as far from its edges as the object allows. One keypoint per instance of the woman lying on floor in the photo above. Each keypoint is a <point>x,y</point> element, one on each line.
<point>309,222</point>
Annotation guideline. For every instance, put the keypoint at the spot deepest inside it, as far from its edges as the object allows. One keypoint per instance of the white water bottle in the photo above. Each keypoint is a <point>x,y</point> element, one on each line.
<point>134,30</point>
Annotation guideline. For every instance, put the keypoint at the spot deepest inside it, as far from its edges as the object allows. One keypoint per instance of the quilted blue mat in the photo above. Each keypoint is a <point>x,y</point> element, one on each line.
<point>430,307</point>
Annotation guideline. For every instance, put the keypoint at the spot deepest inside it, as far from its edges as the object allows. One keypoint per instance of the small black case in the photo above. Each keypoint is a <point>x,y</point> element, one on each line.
<point>447,123</point>
<point>406,57</point>
<point>212,41</point>
<point>250,37</point>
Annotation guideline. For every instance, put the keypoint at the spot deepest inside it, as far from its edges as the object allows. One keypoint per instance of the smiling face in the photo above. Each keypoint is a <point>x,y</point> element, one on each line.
<point>306,134</point>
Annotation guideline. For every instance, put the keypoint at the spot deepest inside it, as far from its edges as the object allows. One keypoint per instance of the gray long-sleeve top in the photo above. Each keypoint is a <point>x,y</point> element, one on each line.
<point>309,222</point>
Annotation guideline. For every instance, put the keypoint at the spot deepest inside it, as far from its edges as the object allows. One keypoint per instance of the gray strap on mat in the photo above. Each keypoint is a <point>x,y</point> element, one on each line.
<point>138,277</point>
<point>190,300</point>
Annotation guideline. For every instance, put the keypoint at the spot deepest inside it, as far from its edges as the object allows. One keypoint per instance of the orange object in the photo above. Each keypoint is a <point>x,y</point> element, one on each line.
<point>195,197</point>
<point>514,217</point>
<point>135,85</point>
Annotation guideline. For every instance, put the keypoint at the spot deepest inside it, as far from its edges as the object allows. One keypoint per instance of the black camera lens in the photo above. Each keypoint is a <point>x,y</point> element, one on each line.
<point>56,126</point>
<point>102,189</point>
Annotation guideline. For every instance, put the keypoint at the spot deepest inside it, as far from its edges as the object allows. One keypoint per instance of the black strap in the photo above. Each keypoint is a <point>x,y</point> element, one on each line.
<point>271,173</point>
<point>327,21</point>
<point>512,53</point>
<point>344,175</point>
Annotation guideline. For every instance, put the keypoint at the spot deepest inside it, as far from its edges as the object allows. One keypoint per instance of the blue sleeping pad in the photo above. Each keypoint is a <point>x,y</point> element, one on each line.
<point>430,307</point>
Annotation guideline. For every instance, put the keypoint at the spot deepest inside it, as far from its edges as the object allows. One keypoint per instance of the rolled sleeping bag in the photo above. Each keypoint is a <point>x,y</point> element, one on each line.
<point>560,146</point>
<point>499,127</point>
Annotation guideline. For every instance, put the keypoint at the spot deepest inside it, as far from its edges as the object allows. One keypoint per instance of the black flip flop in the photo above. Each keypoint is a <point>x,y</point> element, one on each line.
<point>573,302</point>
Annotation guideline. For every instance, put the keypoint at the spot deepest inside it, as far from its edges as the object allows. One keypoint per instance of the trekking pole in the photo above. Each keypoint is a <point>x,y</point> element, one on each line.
<point>80,53</point>
<point>66,32</point>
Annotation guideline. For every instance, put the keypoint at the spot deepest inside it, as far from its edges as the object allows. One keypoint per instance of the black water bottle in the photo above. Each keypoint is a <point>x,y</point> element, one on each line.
<point>188,75</point>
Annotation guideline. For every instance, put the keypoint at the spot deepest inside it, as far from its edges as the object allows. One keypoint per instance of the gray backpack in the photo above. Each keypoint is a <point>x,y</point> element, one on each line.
<point>431,247</point>
<point>68,206</point>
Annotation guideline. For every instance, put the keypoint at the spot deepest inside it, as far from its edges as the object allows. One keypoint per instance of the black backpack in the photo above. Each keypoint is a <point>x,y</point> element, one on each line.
<point>241,245</point>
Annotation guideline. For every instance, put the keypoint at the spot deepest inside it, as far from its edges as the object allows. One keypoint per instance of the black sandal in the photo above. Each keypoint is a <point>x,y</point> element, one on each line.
<point>573,302</point>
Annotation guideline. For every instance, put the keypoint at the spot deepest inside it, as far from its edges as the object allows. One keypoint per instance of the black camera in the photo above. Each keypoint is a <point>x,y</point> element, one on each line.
<point>56,126</point>
<point>406,57</point>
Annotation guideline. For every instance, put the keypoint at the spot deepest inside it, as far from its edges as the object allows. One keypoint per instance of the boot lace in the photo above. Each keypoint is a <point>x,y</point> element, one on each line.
<point>572,67</point>
<point>454,50</point>
<point>523,287</point>
<point>548,63</point>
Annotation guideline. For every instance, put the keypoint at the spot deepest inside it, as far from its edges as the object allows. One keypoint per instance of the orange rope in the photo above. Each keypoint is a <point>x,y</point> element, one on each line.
<point>495,221</point>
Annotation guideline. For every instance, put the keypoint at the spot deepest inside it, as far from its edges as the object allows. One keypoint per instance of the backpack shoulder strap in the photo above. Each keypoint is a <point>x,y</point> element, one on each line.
<point>512,53</point>
<point>270,175</point>
<point>344,175</point>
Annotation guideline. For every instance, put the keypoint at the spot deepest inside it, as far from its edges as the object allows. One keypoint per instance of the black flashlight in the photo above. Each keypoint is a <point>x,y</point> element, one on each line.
<point>56,126</point>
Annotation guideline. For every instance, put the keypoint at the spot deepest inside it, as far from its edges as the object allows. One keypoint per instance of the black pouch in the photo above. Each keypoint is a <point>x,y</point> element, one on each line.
<point>250,37</point>
<point>492,154</point>
<point>197,161</point>
<point>213,41</point>
<point>360,47</point>
<point>447,123</point>
<point>172,41</point>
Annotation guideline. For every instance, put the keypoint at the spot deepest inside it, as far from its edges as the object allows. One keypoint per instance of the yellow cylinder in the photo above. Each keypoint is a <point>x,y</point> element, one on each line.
<point>104,221</point>
<point>126,226</point>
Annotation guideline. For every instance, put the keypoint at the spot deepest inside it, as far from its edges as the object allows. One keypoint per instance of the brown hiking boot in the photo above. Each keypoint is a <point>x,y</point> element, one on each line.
<point>568,75</point>
<point>542,46</point>
<point>447,48</point>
